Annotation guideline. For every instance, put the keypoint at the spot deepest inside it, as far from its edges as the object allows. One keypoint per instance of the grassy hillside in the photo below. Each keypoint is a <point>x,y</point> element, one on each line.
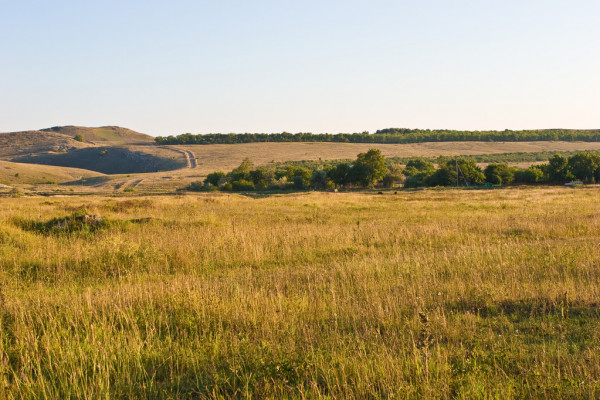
<point>109,150</point>
<point>15,144</point>
<point>431,294</point>
<point>113,134</point>
<point>16,173</point>
<point>112,160</point>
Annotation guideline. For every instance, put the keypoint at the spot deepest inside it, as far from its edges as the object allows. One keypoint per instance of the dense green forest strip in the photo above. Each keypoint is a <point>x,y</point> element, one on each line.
<point>392,135</point>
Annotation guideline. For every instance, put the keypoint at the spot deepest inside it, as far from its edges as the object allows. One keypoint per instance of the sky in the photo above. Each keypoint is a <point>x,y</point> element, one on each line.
<point>171,67</point>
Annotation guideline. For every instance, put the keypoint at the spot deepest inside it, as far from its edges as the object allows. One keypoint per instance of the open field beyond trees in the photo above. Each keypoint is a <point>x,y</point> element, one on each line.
<point>424,294</point>
<point>228,156</point>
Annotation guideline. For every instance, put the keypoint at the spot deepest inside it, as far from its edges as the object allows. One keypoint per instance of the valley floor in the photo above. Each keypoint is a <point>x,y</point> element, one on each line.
<point>427,294</point>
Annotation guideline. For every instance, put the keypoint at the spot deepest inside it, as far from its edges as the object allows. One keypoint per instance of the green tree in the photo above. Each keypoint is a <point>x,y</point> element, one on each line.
<point>263,177</point>
<point>320,180</point>
<point>457,171</point>
<point>394,175</point>
<point>583,166</point>
<point>214,179</point>
<point>445,175</point>
<point>368,168</point>
<point>533,174</point>
<point>498,174</point>
<point>558,169</point>
<point>299,176</point>
<point>470,171</point>
<point>417,166</point>
<point>242,172</point>
<point>340,174</point>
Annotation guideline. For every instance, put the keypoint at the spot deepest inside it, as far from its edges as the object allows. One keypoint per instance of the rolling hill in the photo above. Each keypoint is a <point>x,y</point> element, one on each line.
<point>111,160</point>
<point>18,173</point>
<point>107,150</point>
<point>114,135</point>
<point>13,144</point>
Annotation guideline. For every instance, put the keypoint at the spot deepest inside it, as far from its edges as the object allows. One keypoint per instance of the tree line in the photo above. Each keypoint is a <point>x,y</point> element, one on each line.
<point>371,169</point>
<point>391,135</point>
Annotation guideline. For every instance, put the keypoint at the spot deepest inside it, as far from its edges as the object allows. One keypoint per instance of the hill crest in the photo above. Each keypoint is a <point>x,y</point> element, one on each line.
<point>114,135</point>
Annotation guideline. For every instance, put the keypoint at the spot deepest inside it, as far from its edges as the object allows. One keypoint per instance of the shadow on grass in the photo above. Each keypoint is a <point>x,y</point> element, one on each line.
<point>528,308</point>
<point>92,181</point>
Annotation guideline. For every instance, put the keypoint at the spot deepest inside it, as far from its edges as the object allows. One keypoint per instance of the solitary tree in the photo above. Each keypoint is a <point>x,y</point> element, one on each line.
<point>368,168</point>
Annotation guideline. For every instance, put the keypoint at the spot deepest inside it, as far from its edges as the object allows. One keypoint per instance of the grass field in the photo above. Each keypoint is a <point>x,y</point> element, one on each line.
<point>225,157</point>
<point>427,294</point>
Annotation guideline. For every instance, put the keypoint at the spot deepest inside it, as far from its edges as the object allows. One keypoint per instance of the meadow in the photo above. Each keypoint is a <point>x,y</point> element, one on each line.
<point>420,294</point>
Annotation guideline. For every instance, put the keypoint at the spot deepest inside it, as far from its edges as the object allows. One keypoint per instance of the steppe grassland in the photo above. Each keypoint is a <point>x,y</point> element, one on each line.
<point>429,294</point>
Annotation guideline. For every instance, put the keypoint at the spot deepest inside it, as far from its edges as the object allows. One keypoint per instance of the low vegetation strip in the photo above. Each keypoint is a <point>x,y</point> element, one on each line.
<point>444,294</point>
<point>371,169</point>
<point>391,135</point>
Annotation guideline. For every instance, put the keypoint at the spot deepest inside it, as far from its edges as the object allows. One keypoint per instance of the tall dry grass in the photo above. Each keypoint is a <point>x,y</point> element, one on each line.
<point>431,294</point>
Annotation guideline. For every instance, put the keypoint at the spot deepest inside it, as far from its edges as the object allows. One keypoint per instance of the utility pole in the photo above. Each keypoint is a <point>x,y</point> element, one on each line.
<point>458,173</point>
<point>457,176</point>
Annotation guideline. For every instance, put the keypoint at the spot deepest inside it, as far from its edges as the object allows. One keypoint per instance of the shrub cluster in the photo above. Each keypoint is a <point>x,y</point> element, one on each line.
<point>79,222</point>
<point>370,169</point>
<point>584,167</point>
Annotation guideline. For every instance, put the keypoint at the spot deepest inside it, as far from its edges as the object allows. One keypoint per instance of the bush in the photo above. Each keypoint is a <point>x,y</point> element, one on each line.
<point>415,181</point>
<point>242,184</point>
<point>214,178</point>
<point>532,174</point>
<point>195,187</point>
<point>16,192</point>
<point>417,166</point>
<point>78,222</point>
<point>444,176</point>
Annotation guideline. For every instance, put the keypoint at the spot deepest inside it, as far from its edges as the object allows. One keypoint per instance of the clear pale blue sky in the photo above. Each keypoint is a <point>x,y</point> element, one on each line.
<point>169,67</point>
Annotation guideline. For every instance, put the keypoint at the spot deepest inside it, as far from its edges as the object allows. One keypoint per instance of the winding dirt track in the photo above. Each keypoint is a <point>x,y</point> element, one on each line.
<point>191,159</point>
<point>189,156</point>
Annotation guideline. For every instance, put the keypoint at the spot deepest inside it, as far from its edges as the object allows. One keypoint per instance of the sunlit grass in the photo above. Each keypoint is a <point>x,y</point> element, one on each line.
<point>436,294</point>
